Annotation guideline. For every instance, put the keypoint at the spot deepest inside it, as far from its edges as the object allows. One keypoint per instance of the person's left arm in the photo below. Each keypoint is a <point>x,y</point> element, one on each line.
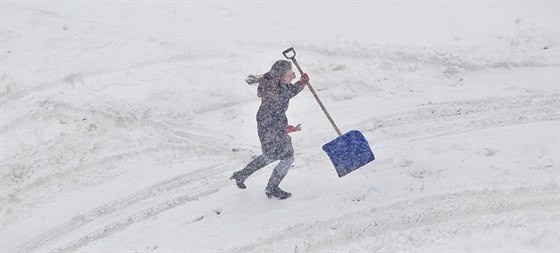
<point>297,87</point>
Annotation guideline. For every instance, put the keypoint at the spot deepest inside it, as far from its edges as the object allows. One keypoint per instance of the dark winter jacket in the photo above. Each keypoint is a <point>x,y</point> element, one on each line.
<point>271,117</point>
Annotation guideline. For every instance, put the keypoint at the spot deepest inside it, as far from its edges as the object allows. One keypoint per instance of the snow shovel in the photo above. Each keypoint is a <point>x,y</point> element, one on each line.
<point>348,151</point>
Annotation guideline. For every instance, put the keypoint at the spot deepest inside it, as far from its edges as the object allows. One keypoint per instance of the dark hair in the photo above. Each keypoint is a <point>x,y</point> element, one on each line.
<point>277,70</point>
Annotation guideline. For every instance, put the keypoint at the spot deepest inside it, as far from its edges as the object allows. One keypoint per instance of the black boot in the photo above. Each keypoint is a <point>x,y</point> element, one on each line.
<point>239,179</point>
<point>276,193</point>
<point>257,164</point>
<point>272,189</point>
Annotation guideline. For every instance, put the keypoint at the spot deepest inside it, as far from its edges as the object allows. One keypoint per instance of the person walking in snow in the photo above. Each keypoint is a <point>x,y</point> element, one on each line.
<point>275,89</point>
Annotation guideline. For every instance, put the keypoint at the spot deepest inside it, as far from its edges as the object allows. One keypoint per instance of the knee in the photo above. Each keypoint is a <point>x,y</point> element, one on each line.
<point>290,160</point>
<point>285,165</point>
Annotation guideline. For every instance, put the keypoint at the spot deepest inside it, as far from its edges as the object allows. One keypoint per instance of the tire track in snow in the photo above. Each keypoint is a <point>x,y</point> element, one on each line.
<point>176,184</point>
<point>185,141</point>
<point>120,224</point>
<point>432,210</point>
<point>110,159</point>
<point>82,76</point>
<point>446,118</point>
<point>432,238</point>
<point>459,56</point>
<point>50,108</point>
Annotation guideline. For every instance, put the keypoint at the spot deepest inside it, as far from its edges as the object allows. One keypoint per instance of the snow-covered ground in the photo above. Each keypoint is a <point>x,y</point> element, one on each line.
<point>121,122</point>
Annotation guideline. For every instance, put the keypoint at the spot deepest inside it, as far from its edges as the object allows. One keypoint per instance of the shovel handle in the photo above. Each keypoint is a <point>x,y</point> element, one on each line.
<point>293,58</point>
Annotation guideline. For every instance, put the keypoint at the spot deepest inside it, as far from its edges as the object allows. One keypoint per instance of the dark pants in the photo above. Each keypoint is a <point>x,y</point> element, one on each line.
<point>280,171</point>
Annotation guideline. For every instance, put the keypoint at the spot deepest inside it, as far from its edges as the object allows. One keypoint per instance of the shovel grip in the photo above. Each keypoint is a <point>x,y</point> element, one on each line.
<point>293,58</point>
<point>285,53</point>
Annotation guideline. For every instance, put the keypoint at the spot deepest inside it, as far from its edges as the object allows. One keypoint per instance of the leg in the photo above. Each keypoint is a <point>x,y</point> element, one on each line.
<point>257,164</point>
<point>281,170</point>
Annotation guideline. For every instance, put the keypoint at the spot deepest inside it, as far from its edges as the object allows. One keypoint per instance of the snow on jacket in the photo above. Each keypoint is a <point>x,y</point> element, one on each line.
<point>271,117</point>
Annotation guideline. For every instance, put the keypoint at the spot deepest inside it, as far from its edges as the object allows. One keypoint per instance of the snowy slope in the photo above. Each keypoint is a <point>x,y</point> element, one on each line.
<point>120,123</point>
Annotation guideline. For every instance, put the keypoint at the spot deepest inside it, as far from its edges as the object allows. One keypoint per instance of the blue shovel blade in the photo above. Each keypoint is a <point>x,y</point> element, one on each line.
<point>349,152</point>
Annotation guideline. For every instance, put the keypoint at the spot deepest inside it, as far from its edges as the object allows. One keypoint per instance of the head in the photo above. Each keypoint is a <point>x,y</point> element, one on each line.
<point>282,70</point>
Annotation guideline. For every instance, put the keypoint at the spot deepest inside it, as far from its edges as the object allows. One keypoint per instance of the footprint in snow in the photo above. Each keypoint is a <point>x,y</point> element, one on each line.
<point>487,152</point>
<point>152,248</point>
<point>420,174</point>
<point>403,163</point>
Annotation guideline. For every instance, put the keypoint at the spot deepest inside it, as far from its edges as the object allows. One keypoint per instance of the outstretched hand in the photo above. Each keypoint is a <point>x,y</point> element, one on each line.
<point>291,129</point>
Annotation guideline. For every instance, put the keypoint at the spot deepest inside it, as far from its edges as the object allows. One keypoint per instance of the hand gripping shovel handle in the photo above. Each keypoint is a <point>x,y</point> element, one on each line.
<point>293,58</point>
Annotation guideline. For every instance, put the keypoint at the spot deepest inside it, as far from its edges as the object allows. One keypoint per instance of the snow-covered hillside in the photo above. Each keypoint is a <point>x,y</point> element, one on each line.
<point>121,122</point>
